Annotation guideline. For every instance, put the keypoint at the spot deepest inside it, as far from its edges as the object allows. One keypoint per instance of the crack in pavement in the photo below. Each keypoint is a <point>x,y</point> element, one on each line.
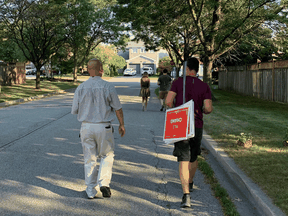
<point>27,134</point>
<point>162,177</point>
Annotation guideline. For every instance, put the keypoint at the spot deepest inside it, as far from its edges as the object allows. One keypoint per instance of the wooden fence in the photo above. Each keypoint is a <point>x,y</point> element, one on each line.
<point>267,80</point>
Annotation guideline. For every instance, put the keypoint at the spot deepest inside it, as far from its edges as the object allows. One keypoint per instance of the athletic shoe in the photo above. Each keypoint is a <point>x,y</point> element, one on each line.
<point>186,201</point>
<point>105,191</point>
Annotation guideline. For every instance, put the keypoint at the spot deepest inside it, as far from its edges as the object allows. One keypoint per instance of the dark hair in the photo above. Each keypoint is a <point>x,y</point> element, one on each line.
<point>145,74</point>
<point>165,71</point>
<point>193,64</point>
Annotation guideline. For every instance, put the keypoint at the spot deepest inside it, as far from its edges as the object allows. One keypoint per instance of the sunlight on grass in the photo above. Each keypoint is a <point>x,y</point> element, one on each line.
<point>9,93</point>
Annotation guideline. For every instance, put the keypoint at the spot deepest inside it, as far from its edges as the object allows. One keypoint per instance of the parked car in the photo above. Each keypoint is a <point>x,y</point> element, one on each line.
<point>129,71</point>
<point>85,73</point>
<point>149,70</point>
<point>30,71</point>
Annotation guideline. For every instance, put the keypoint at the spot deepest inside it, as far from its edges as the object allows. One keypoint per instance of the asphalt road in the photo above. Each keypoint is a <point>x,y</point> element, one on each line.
<point>41,158</point>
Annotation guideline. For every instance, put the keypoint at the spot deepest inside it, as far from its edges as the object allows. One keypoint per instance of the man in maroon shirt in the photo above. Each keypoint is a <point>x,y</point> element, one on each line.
<point>187,151</point>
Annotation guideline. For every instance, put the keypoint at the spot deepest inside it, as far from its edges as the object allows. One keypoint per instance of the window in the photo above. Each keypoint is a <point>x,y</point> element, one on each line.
<point>143,50</point>
<point>134,50</point>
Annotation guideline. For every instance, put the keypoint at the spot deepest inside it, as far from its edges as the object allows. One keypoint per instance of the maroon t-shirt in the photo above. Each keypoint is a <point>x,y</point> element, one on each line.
<point>196,90</point>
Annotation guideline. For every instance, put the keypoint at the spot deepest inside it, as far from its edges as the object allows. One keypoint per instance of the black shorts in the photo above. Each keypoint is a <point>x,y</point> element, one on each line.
<point>188,150</point>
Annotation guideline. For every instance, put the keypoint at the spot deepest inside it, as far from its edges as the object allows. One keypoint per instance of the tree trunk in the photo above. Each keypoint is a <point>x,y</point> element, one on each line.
<point>75,66</point>
<point>207,73</point>
<point>38,79</point>
<point>207,67</point>
<point>75,74</point>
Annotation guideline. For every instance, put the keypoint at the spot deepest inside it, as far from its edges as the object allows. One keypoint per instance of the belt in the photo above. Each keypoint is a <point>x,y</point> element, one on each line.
<point>96,122</point>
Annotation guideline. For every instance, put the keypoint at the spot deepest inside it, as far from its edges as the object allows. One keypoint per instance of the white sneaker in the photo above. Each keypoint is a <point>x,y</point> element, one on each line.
<point>91,192</point>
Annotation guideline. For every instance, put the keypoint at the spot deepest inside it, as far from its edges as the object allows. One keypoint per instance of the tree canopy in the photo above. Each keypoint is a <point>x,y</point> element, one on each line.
<point>92,23</point>
<point>37,27</point>
<point>107,54</point>
<point>209,28</point>
<point>45,30</point>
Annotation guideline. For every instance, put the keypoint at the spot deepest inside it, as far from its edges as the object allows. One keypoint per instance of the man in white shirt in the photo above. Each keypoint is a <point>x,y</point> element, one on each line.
<point>94,102</point>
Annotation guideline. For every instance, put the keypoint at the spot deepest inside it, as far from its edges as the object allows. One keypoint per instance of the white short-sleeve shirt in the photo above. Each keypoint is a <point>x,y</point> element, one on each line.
<point>95,101</point>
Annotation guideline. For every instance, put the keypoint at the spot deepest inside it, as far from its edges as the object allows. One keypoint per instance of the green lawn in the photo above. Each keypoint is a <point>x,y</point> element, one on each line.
<point>266,162</point>
<point>14,92</point>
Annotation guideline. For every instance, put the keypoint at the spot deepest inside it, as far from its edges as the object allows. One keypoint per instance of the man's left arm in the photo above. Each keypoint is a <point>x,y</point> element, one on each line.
<point>158,81</point>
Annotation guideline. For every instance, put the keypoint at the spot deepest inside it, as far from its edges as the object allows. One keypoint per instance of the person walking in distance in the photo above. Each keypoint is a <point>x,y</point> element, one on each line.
<point>164,82</point>
<point>145,90</point>
<point>187,151</point>
<point>94,103</point>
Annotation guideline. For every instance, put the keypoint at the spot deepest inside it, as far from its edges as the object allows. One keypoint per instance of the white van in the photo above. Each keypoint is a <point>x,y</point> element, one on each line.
<point>149,70</point>
<point>29,70</point>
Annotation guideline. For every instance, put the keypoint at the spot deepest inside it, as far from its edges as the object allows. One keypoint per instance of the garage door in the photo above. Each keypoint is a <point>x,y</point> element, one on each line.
<point>136,67</point>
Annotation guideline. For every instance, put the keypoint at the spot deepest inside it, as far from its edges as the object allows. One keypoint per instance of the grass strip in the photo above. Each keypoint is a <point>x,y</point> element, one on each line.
<point>220,193</point>
<point>266,161</point>
<point>26,90</point>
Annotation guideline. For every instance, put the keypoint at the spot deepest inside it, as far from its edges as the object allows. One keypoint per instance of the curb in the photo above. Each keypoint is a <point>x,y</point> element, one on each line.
<point>9,103</point>
<point>253,193</point>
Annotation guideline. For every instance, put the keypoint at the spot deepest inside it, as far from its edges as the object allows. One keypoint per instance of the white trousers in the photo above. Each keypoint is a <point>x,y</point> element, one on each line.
<point>97,141</point>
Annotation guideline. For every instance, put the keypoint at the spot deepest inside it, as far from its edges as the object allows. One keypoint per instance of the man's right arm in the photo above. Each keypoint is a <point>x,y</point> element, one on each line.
<point>120,116</point>
<point>75,104</point>
<point>170,99</point>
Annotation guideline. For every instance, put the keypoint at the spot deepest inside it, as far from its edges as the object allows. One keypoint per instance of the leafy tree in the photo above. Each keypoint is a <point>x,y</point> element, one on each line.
<point>281,35</point>
<point>258,45</point>
<point>63,60</point>
<point>208,28</point>
<point>161,24</point>
<point>118,62</point>
<point>37,27</point>
<point>223,24</point>
<point>164,63</point>
<point>107,54</point>
<point>92,23</point>
<point>9,51</point>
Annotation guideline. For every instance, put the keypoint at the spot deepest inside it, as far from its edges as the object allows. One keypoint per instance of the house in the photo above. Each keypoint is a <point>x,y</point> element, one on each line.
<point>137,57</point>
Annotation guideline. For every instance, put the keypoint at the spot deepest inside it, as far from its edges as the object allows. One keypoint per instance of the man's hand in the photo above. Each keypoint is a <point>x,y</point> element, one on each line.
<point>121,130</point>
<point>119,114</point>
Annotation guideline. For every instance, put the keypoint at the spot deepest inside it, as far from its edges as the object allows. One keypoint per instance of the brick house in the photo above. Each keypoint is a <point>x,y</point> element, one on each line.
<point>137,57</point>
